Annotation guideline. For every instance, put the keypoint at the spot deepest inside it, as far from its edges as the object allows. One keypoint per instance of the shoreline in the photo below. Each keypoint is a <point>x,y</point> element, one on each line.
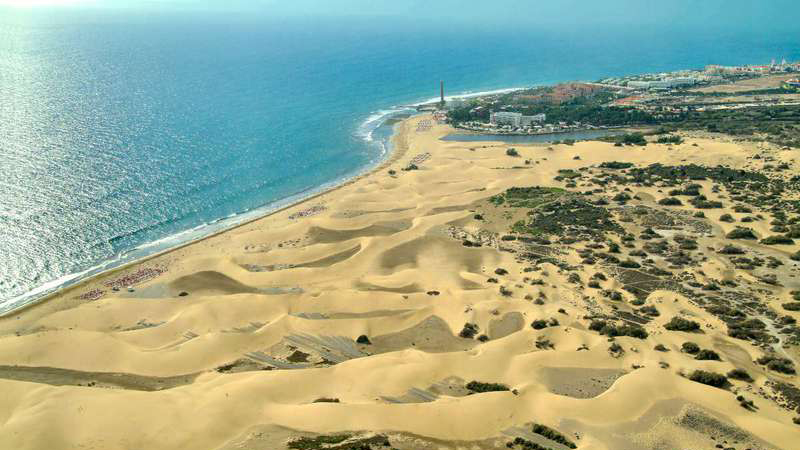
<point>379,117</point>
<point>389,156</point>
<point>393,153</point>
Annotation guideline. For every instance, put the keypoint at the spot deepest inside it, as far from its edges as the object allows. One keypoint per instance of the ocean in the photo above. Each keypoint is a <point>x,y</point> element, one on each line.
<point>122,135</point>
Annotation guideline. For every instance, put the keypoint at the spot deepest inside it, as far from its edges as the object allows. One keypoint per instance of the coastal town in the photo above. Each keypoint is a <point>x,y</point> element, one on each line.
<point>619,102</point>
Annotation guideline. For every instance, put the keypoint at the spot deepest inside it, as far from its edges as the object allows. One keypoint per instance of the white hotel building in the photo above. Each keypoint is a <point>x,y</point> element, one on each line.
<point>515,120</point>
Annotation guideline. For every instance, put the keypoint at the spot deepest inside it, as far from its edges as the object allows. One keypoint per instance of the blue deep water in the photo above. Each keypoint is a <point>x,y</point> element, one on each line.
<point>123,135</point>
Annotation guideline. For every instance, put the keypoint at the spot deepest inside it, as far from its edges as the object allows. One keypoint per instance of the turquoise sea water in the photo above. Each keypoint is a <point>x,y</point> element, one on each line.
<point>121,136</point>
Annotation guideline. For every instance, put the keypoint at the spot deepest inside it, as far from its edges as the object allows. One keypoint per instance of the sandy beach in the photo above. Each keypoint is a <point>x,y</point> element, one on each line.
<point>366,311</point>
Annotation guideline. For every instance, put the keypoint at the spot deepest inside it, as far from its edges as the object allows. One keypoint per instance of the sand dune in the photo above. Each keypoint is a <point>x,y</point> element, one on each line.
<point>366,312</point>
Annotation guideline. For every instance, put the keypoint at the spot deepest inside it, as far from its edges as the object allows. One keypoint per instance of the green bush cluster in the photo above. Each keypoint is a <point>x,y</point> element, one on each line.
<point>681,324</point>
<point>671,139</point>
<point>553,435</point>
<point>690,347</point>
<point>777,364</point>
<point>525,444</point>
<point>742,233</point>
<point>707,355</point>
<point>740,374</point>
<point>670,201</point>
<point>609,329</point>
<point>777,240</point>
<point>479,387</point>
<point>710,378</point>
<point>616,165</point>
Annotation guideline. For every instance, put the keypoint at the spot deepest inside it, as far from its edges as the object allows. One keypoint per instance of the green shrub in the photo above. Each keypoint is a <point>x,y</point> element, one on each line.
<point>671,139</point>
<point>326,400</point>
<point>701,202</point>
<point>649,310</point>
<point>707,355</point>
<point>512,152</point>
<point>597,325</point>
<point>777,364</point>
<point>791,306</point>
<point>553,435</point>
<point>622,197</point>
<point>469,331</point>
<point>616,165</point>
<point>740,374</point>
<point>611,330</point>
<point>629,264</point>
<point>777,240</point>
<point>670,201</point>
<point>709,378</point>
<point>632,139</point>
<point>539,324</point>
<point>479,387</point>
<point>731,250</point>
<point>681,324</point>
<point>525,444</point>
<point>690,347</point>
<point>742,233</point>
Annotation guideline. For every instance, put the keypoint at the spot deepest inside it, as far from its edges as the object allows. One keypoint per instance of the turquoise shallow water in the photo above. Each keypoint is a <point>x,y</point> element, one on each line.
<point>123,136</point>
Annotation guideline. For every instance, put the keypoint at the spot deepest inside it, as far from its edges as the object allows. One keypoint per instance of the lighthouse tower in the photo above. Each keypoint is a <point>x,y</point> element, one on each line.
<point>441,93</point>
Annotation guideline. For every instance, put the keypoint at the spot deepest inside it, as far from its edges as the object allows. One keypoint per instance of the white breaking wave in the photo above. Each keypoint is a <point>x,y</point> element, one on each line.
<point>470,95</point>
<point>366,129</point>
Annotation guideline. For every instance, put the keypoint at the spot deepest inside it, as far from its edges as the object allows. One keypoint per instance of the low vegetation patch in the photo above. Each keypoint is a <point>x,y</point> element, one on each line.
<point>469,331</point>
<point>749,329</point>
<point>524,444</point>
<point>553,435</point>
<point>777,364</point>
<point>671,139</point>
<point>690,348</point>
<point>676,174</point>
<point>709,378</point>
<point>777,240</point>
<point>479,387</point>
<point>630,139</point>
<point>326,400</point>
<point>609,329</point>
<point>571,216</point>
<point>681,324</point>
<point>707,355</point>
<point>670,201</point>
<point>740,374</point>
<point>742,233</point>
<point>527,197</point>
<point>616,165</point>
<point>339,442</point>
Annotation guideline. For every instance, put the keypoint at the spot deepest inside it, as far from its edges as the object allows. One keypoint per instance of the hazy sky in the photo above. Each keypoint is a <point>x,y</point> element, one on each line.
<point>745,14</point>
